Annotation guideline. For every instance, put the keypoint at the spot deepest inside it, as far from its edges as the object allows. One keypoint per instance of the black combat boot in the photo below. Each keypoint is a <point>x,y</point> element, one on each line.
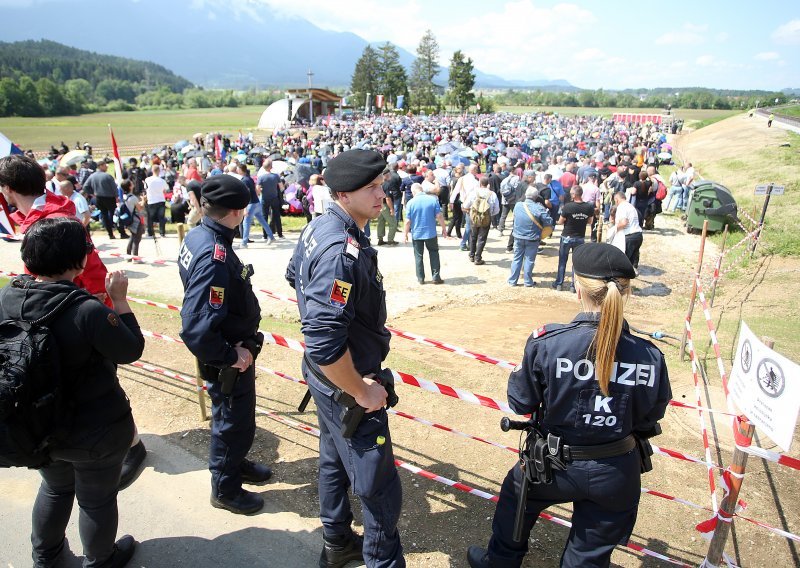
<point>338,551</point>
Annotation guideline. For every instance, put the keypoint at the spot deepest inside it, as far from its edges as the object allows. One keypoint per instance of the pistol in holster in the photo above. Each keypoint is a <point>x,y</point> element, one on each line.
<point>228,376</point>
<point>645,448</point>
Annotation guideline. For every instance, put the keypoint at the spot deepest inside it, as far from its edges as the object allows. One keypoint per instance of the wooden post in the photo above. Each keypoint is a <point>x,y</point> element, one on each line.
<point>743,434</point>
<point>717,268</point>
<point>761,221</point>
<point>693,295</point>
<point>201,394</point>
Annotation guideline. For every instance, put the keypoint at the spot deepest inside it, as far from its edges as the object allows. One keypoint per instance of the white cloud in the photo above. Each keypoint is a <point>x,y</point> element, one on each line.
<point>767,56</point>
<point>705,61</point>
<point>689,34</point>
<point>788,32</point>
<point>722,37</point>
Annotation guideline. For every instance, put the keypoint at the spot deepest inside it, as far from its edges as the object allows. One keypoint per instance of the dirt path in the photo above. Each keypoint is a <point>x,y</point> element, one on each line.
<point>477,310</point>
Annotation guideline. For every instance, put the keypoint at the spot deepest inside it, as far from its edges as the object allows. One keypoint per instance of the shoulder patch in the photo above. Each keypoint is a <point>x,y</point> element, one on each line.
<point>540,332</point>
<point>352,248</point>
<point>340,293</point>
<point>220,254</point>
<point>113,319</point>
<point>216,297</point>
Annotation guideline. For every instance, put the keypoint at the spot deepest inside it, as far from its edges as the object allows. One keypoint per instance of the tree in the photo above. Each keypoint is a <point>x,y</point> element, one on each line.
<point>461,81</point>
<point>365,76</point>
<point>424,71</point>
<point>9,97</point>
<point>51,99</point>
<point>28,104</point>
<point>79,93</point>
<point>392,78</point>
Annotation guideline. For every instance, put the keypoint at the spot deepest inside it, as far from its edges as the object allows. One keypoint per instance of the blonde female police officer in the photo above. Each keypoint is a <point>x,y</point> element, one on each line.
<point>599,386</point>
<point>334,272</point>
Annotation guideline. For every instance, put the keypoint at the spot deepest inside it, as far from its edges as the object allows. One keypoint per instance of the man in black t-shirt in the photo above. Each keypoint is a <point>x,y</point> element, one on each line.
<point>575,215</point>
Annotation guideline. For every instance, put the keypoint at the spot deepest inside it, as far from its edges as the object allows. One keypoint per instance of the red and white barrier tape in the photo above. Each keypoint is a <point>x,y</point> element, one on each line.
<point>156,261</point>
<point>153,304</point>
<point>420,339</point>
<point>467,489</point>
<point>192,382</point>
<point>170,374</point>
<point>703,430</point>
<point>713,334</point>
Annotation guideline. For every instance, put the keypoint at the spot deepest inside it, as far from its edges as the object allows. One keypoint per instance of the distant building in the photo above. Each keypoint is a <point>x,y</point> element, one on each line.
<point>297,106</point>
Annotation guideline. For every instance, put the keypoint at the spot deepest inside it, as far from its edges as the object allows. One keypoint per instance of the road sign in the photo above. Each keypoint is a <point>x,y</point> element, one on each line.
<point>764,386</point>
<point>776,189</point>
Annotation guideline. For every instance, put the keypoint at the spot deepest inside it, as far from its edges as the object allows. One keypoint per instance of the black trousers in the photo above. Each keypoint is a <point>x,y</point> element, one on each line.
<point>456,220</point>
<point>272,212</point>
<point>156,213</point>
<point>633,243</point>
<point>477,240</point>
<point>87,466</point>
<point>106,206</point>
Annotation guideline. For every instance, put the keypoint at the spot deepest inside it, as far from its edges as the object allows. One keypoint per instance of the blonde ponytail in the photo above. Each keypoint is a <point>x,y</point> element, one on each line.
<point>608,296</point>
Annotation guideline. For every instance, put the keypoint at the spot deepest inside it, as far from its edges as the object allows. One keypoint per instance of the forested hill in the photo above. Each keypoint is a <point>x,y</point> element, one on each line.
<point>60,63</point>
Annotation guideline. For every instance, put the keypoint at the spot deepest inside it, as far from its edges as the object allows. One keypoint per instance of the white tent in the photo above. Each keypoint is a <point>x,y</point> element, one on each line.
<point>276,115</point>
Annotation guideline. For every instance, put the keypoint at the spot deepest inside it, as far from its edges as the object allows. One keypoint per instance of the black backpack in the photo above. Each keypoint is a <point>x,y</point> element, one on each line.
<point>35,411</point>
<point>124,216</point>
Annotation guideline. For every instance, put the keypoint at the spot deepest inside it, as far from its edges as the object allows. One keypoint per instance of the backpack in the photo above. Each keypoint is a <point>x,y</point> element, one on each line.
<point>123,215</point>
<point>34,410</point>
<point>508,185</point>
<point>661,192</point>
<point>479,211</point>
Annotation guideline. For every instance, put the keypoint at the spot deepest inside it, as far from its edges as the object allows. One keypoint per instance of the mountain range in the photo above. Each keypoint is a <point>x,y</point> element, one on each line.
<point>214,46</point>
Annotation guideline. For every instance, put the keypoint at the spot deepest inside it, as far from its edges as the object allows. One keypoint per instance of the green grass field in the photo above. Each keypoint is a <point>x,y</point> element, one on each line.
<point>138,128</point>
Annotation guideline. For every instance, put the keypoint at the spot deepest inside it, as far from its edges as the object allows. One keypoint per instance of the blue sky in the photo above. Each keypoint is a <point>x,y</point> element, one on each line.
<point>610,44</point>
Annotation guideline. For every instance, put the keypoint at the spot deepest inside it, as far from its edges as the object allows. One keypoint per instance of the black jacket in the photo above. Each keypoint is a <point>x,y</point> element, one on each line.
<point>92,340</point>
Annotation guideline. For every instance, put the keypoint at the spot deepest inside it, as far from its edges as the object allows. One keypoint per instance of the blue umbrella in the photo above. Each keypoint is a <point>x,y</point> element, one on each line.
<point>455,159</point>
<point>447,148</point>
<point>490,139</point>
<point>180,144</point>
<point>467,153</point>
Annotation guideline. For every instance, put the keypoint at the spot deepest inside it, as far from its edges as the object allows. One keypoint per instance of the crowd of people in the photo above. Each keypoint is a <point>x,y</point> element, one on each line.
<point>436,175</point>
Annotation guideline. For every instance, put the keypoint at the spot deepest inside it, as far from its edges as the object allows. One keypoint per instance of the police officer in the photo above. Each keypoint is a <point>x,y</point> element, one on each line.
<point>220,317</point>
<point>343,311</point>
<point>599,390</point>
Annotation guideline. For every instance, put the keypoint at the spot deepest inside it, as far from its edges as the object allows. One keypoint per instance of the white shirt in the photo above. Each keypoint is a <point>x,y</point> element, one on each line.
<point>627,211</point>
<point>321,196</point>
<point>155,189</point>
<point>81,205</point>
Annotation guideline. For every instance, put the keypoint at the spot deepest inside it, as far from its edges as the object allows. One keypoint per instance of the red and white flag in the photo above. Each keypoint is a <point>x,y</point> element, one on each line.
<point>117,160</point>
<point>379,101</point>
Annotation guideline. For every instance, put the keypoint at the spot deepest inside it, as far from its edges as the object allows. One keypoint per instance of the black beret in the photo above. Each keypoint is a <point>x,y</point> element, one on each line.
<point>601,261</point>
<point>225,191</point>
<point>353,170</point>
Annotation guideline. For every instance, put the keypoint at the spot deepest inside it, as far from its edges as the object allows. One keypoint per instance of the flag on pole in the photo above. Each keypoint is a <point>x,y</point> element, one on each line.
<point>218,148</point>
<point>7,226</point>
<point>117,160</point>
<point>379,101</point>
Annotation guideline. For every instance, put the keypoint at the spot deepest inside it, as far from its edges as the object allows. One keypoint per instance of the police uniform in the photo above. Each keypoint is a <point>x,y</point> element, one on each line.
<point>219,310</point>
<point>334,271</point>
<point>557,372</point>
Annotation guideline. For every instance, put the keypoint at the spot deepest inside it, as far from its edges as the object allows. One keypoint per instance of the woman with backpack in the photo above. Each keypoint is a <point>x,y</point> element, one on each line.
<point>88,444</point>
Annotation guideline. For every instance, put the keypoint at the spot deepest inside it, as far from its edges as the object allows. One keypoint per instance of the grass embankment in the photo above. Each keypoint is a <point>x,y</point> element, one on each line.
<point>741,174</point>
<point>789,111</point>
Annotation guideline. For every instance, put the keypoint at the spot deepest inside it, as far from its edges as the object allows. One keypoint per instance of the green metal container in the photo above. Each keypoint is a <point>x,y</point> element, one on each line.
<point>712,201</point>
